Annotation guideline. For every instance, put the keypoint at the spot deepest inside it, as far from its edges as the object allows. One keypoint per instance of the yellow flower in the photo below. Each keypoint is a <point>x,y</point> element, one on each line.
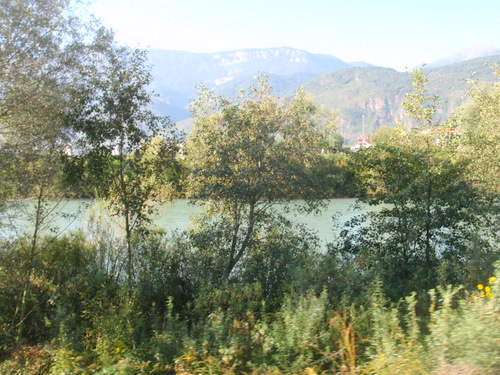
<point>487,289</point>
<point>492,279</point>
<point>480,286</point>
<point>188,357</point>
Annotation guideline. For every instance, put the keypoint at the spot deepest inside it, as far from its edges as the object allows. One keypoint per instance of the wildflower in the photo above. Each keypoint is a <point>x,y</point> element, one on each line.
<point>492,279</point>
<point>487,289</point>
<point>188,357</point>
<point>480,286</point>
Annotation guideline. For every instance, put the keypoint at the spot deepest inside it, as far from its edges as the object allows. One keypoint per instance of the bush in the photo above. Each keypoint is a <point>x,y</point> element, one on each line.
<point>462,335</point>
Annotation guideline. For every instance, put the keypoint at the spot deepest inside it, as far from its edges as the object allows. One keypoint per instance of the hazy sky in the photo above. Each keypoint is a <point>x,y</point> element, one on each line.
<point>394,33</point>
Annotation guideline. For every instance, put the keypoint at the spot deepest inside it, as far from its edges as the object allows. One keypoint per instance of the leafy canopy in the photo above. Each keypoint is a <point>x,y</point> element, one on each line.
<point>247,154</point>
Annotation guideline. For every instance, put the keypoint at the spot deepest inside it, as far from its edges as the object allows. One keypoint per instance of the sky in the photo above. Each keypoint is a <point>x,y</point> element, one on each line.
<point>392,33</point>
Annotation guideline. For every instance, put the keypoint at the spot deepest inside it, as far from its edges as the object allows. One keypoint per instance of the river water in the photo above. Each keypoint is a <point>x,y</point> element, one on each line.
<point>76,213</point>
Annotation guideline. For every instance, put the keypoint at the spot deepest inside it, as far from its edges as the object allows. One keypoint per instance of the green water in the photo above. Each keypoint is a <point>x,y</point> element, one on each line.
<point>74,214</point>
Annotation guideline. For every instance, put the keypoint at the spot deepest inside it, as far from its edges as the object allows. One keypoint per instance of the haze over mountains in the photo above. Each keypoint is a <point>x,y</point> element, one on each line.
<point>470,53</point>
<point>177,73</point>
<point>352,89</point>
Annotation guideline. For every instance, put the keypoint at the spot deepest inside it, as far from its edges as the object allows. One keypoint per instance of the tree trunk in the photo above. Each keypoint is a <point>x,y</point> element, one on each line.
<point>27,281</point>
<point>128,233</point>
<point>234,257</point>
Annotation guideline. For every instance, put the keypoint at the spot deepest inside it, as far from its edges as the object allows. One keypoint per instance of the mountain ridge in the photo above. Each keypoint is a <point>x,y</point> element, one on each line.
<point>178,73</point>
<point>377,93</point>
<point>352,89</point>
<point>466,54</point>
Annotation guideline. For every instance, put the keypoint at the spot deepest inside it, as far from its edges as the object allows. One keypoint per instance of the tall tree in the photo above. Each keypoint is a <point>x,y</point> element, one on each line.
<point>42,46</point>
<point>248,154</point>
<point>127,151</point>
<point>432,219</point>
<point>480,121</point>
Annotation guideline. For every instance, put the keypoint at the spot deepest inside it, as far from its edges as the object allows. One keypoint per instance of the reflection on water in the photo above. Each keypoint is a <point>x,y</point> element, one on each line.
<point>74,214</point>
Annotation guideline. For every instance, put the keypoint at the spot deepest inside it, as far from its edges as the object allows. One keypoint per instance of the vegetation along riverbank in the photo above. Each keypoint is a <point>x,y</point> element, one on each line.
<point>409,287</point>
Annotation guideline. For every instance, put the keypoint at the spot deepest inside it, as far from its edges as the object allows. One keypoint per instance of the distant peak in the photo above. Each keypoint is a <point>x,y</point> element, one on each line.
<point>276,51</point>
<point>469,53</point>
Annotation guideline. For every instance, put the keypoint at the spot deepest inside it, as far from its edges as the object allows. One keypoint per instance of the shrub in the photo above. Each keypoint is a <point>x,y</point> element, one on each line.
<point>462,334</point>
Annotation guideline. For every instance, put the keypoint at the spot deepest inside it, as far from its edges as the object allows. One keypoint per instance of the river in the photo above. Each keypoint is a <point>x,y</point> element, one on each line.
<point>75,214</point>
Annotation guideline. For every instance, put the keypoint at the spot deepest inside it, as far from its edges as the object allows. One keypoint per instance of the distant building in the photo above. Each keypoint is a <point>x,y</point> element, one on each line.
<point>363,142</point>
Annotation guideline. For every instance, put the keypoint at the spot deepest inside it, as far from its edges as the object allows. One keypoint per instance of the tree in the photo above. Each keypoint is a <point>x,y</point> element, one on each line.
<point>480,121</point>
<point>431,222</point>
<point>42,46</point>
<point>328,122</point>
<point>247,155</point>
<point>30,68</point>
<point>383,134</point>
<point>125,153</point>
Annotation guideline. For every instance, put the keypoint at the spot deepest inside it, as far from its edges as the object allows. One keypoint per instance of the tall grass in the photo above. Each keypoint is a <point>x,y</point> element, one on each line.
<point>84,320</point>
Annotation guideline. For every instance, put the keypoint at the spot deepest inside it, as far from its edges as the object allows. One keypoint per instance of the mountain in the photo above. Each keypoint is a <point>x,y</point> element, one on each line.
<point>465,54</point>
<point>360,64</point>
<point>353,89</point>
<point>378,93</point>
<point>373,92</point>
<point>177,73</point>
<point>281,85</point>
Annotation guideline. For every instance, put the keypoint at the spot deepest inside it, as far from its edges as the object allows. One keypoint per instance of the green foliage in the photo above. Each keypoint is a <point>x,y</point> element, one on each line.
<point>418,105</point>
<point>462,335</point>
<point>121,154</point>
<point>430,215</point>
<point>328,126</point>
<point>96,328</point>
<point>231,340</point>
<point>429,220</point>
<point>280,257</point>
<point>243,291</point>
<point>248,150</point>
<point>165,270</point>
<point>125,160</point>
<point>42,46</point>
<point>65,271</point>
<point>106,235</point>
<point>383,134</point>
<point>225,338</point>
<point>473,331</point>
<point>479,121</point>
<point>341,174</point>
<point>344,279</point>
<point>238,299</point>
<point>116,333</point>
<point>28,360</point>
<point>283,259</point>
<point>378,93</point>
<point>396,344</point>
<point>248,154</point>
<point>299,335</point>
